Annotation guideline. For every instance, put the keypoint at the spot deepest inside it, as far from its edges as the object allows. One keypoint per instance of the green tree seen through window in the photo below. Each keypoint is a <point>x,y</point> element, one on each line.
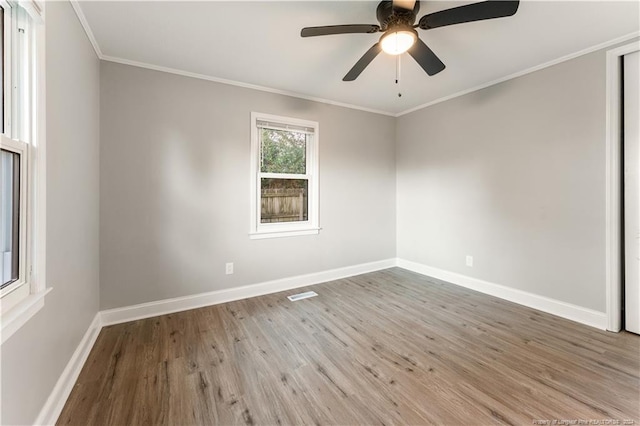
<point>283,151</point>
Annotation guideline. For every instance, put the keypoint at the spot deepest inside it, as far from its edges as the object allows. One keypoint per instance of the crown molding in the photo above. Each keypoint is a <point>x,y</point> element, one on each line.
<point>524,72</point>
<point>241,84</point>
<point>85,24</point>
<point>87,29</point>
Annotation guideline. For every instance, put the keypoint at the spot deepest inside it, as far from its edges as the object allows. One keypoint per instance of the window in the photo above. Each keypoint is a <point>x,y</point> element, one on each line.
<point>9,216</point>
<point>13,241</point>
<point>21,71</point>
<point>284,178</point>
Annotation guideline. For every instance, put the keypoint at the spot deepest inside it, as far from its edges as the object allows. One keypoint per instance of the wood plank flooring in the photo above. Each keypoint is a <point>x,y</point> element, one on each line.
<point>389,347</point>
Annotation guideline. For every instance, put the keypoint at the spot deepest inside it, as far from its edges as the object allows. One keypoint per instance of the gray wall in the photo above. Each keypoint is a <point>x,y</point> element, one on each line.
<point>513,175</point>
<point>174,161</point>
<point>34,357</point>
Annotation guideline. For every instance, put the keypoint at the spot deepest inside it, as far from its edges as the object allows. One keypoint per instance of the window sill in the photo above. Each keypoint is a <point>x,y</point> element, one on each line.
<point>18,315</point>
<point>279,234</point>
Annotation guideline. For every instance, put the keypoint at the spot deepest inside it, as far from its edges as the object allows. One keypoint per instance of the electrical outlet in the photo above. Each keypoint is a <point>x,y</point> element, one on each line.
<point>228,268</point>
<point>469,260</point>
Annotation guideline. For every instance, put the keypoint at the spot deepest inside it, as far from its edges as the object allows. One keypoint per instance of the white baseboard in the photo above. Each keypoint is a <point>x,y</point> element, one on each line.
<point>61,391</point>
<point>562,309</point>
<point>177,304</point>
<point>55,403</point>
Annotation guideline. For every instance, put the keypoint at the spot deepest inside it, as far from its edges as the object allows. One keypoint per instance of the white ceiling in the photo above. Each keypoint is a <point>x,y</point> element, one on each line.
<point>259,43</point>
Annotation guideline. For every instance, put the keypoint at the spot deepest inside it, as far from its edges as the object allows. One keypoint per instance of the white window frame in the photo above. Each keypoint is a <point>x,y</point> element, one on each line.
<point>24,133</point>
<point>7,50</point>
<point>284,229</point>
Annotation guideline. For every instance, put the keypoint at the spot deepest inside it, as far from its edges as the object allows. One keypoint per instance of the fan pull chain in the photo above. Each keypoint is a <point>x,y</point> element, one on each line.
<point>397,68</point>
<point>398,74</point>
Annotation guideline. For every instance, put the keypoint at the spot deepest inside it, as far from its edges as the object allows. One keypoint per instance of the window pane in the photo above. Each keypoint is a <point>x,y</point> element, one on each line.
<point>284,200</point>
<point>9,215</point>
<point>283,151</point>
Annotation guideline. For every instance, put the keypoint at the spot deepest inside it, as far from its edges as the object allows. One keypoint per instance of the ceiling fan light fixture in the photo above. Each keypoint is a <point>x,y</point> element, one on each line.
<point>395,42</point>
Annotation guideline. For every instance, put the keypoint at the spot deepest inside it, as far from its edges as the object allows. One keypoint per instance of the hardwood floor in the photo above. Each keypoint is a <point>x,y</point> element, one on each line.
<point>390,347</point>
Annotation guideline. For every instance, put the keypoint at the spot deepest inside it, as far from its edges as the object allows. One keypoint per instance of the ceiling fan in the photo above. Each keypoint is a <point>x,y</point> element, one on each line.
<point>397,19</point>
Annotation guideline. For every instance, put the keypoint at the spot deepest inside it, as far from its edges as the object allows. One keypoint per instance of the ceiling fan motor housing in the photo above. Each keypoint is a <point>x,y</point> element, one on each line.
<point>390,17</point>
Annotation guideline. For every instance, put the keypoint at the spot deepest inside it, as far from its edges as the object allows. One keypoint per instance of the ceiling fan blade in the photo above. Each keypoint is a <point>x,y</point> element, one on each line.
<point>363,62</point>
<point>404,4</point>
<point>339,29</point>
<point>426,58</point>
<point>469,13</point>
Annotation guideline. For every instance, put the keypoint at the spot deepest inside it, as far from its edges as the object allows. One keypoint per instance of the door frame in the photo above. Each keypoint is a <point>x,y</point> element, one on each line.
<point>613,235</point>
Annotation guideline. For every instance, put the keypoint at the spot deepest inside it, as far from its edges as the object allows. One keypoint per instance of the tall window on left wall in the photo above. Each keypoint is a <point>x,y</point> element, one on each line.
<point>21,146</point>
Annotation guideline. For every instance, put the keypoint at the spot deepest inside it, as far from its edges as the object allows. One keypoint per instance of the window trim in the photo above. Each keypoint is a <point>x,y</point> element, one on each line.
<point>284,229</point>
<point>35,288</point>
<point>7,52</point>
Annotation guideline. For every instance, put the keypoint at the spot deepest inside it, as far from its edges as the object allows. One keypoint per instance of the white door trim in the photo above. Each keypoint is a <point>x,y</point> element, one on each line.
<point>614,186</point>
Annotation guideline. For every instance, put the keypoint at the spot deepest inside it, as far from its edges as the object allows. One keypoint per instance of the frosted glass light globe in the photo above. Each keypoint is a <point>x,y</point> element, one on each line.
<point>397,42</point>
